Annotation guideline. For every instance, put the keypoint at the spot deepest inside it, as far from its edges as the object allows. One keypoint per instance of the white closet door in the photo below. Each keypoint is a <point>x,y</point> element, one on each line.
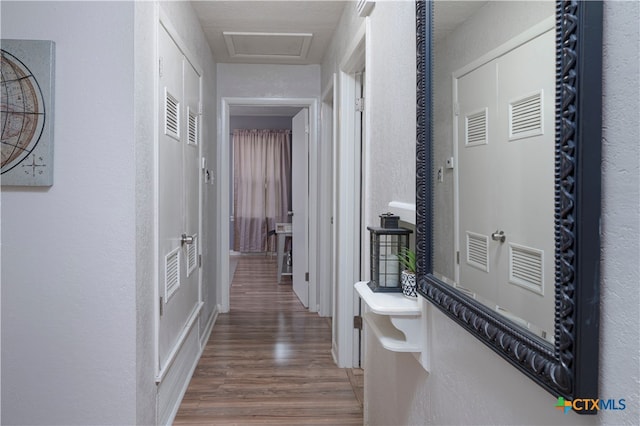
<point>478,180</point>
<point>192,172</point>
<point>525,132</point>
<point>177,197</point>
<point>506,189</point>
<point>300,196</point>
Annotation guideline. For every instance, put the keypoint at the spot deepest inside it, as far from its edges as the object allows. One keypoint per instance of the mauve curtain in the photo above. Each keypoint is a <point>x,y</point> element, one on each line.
<point>262,186</point>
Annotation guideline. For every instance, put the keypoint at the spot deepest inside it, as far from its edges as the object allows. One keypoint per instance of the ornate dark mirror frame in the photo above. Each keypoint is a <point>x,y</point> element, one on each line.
<point>570,367</point>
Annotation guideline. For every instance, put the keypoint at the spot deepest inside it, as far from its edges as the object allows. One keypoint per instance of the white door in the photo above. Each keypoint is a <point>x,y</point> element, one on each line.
<point>178,190</point>
<point>526,98</point>
<point>506,192</point>
<point>192,173</point>
<point>300,196</point>
<point>478,183</point>
<point>359,138</point>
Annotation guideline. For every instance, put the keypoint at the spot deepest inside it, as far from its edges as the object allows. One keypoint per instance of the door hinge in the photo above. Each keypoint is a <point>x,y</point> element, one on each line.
<point>161,306</point>
<point>306,276</point>
<point>456,108</point>
<point>160,66</point>
<point>357,322</point>
<point>360,104</point>
<point>458,257</point>
<point>199,261</point>
<point>200,108</point>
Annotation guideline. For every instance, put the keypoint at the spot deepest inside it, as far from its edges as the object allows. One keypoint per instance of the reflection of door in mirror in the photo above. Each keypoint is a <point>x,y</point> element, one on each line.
<point>493,206</point>
<point>505,179</point>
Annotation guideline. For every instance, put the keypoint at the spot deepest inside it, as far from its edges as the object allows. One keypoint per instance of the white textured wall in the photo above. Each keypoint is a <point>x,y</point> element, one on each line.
<point>619,289</point>
<point>268,81</point>
<point>346,30</point>
<point>145,65</point>
<point>389,153</point>
<point>259,122</point>
<point>468,383</point>
<point>68,252</point>
<point>390,156</point>
<point>391,78</point>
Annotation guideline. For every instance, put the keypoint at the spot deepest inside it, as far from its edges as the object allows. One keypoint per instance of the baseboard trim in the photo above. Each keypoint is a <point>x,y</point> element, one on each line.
<point>208,329</point>
<point>177,379</point>
<point>178,346</point>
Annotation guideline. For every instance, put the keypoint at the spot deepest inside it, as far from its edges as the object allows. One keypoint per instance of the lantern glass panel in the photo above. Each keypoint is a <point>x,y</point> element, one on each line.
<point>386,246</point>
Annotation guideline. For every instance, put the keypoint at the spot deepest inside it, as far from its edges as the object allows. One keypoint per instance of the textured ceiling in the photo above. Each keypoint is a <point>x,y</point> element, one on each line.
<point>275,31</point>
<point>318,18</point>
<point>448,15</point>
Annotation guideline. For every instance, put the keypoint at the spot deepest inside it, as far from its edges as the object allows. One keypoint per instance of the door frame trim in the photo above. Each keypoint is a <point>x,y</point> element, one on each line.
<point>345,346</point>
<point>326,245</point>
<point>223,190</point>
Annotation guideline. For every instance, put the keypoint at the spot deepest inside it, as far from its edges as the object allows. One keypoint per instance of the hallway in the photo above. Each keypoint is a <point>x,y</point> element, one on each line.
<point>268,361</point>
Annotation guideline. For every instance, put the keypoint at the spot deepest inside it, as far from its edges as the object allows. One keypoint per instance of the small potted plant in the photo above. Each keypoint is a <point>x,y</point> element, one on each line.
<point>407,259</point>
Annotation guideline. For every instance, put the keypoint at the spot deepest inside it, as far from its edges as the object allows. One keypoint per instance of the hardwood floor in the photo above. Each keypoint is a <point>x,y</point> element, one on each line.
<point>268,361</point>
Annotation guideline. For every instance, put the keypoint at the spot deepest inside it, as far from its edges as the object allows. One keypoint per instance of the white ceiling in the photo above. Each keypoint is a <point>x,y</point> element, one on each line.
<point>295,32</point>
<point>448,15</point>
<point>282,28</point>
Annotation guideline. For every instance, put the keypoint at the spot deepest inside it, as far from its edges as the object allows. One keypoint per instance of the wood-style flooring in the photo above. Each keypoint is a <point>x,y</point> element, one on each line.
<point>268,361</point>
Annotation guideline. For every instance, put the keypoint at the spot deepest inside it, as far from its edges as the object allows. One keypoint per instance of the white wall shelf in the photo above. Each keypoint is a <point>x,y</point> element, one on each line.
<point>399,323</point>
<point>406,211</point>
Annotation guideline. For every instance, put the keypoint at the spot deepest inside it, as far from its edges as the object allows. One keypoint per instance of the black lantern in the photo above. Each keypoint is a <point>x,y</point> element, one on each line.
<point>386,246</point>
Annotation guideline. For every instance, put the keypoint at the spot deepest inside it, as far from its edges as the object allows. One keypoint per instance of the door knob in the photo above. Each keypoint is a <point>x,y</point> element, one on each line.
<point>498,236</point>
<point>186,239</point>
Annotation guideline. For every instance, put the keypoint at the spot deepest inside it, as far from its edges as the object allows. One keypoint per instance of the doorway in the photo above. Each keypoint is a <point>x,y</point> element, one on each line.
<point>260,190</point>
<point>350,166</point>
<point>229,106</point>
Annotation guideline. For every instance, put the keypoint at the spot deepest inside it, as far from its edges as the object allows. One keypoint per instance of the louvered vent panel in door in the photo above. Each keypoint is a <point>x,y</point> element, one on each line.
<point>172,272</point>
<point>525,117</point>
<point>193,128</point>
<point>526,267</point>
<point>478,251</point>
<point>171,116</point>
<point>192,256</point>
<point>476,128</point>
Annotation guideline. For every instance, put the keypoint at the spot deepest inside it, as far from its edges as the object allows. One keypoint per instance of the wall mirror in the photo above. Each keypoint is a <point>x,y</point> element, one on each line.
<point>508,180</point>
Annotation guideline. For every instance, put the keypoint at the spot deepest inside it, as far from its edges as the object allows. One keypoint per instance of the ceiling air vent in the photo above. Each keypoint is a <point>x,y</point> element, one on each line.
<point>365,7</point>
<point>478,251</point>
<point>525,117</point>
<point>476,128</point>
<point>526,268</point>
<point>275,46</point>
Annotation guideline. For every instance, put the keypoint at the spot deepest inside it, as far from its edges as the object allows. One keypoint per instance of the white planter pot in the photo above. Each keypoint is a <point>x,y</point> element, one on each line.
<point>408,280</point>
